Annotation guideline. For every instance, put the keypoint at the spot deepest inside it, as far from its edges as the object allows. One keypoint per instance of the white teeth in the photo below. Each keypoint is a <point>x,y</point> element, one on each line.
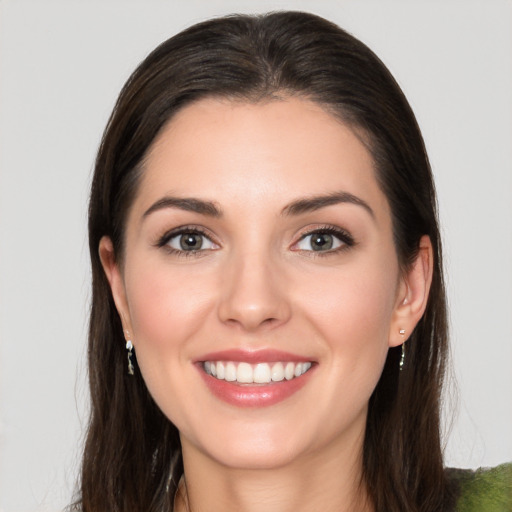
<point>260,373</point>
<point>230,372</point>
<point>289,371</point>
<point>244,373</point>
<point>277,372</point>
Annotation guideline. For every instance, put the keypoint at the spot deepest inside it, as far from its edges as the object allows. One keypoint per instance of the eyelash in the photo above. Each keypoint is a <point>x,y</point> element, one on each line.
<point>163,241</point>
<point>347,241</point>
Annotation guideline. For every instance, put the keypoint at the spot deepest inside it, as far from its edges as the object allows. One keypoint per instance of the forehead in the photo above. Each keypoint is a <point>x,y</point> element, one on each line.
<point>264,153</point>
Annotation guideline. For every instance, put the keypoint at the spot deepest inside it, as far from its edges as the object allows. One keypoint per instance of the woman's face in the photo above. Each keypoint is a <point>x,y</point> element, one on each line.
<point>259,248</point>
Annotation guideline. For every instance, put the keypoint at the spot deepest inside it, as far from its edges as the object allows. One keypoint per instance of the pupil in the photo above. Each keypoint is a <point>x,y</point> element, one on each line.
<point>321,241</point>
<point>190,241</point>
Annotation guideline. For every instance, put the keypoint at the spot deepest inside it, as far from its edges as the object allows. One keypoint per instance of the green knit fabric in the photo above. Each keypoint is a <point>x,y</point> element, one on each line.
<point>484,490</point>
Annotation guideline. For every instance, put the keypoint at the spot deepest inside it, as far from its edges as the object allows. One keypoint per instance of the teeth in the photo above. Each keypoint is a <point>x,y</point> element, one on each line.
<point>244,373</point>
<point>230,371</point>
<point>260,373</point>
<point>277,372</point>
<point>221,371</point>
<point>289,371</point>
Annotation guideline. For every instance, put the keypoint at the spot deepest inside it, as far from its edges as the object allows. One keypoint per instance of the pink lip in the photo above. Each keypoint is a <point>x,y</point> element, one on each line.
<point>253,395</point>
<point>253,356</point>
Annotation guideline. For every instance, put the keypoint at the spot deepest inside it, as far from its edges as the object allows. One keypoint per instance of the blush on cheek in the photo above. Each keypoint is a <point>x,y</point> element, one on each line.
<point>167,305</point>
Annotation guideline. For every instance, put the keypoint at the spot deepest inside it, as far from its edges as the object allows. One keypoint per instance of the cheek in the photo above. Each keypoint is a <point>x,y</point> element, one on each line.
<point>352,311</point>
<point>166,307</point>
<point>354,301</point>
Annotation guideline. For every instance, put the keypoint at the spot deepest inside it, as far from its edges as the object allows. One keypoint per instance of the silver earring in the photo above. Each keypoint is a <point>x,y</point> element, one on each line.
<point>129,347</point>
<point>402,359</point>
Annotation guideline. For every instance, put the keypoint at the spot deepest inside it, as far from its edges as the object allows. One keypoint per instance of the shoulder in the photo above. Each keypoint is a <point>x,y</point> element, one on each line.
<point>483,490</point>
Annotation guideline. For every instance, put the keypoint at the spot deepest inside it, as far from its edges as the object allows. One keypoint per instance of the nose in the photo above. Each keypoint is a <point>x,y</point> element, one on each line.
<point>253,294</point>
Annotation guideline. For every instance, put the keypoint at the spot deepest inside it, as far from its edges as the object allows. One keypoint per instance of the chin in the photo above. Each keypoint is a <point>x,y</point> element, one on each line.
<point>264,454</point>
<point>260,443</point>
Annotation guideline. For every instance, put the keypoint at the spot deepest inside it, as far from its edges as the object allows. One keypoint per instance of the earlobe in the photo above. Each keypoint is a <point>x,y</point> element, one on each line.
<point>413,294</point>
<point>115,279</point>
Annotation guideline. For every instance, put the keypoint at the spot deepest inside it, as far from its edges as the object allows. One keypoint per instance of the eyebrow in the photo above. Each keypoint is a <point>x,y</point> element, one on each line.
<point>297,207</point>
<point>188,204</point>
<point>310,204</point>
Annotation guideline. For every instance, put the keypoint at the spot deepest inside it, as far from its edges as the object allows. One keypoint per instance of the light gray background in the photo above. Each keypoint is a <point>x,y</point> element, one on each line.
<point>62,66</point>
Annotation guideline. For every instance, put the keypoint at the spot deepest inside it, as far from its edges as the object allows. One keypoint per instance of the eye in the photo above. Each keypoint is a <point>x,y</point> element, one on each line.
<point>324,240</point>
<point>187,240</point>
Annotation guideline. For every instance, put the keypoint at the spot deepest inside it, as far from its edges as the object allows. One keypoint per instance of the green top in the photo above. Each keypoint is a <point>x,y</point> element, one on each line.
<point>484,490</point>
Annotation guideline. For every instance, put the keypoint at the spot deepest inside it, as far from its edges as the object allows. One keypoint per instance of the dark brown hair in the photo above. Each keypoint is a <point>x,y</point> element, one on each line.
<point>132,457</point>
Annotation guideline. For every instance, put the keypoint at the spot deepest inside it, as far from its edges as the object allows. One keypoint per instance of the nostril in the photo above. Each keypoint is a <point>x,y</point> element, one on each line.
<point>252,296</point>
<point>252,322</point>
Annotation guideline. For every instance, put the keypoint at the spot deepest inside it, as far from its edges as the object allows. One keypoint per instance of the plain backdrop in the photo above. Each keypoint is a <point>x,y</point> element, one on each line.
<point>62,66</point>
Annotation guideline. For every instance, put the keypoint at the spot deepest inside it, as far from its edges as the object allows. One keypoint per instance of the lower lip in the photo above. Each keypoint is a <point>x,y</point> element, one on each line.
<point>256,395</point>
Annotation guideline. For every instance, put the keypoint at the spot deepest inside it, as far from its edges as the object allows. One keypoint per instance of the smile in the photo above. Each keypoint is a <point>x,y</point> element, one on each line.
<point>259,373</point>
<point>255,378</point>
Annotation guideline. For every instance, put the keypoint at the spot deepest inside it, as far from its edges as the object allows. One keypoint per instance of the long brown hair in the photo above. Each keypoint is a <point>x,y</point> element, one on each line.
<point>132,457</point>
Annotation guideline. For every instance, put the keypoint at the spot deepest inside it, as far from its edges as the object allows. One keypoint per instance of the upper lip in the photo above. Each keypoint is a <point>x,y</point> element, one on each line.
<point>254,356</point>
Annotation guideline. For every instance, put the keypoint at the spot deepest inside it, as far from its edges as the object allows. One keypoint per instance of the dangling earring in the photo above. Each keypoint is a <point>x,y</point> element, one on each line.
<point>402,359</point>
<point>129,348</point>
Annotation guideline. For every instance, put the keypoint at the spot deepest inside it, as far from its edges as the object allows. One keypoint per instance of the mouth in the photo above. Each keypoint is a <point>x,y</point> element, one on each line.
<point>260,373</point>
<point>254,378</point>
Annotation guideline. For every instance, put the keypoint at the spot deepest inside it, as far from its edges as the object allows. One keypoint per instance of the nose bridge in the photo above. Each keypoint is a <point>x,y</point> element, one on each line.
<point>252,291</point>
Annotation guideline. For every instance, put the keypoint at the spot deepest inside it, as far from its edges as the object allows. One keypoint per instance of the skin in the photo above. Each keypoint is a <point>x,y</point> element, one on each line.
<point>258,284</point>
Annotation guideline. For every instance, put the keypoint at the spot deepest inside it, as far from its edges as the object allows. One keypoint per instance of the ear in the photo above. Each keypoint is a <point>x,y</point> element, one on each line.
<point>115,279</point>
<point>413,292</point>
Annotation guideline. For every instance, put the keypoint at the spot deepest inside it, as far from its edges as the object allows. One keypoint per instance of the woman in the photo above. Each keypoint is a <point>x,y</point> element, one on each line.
<point>268,327</point>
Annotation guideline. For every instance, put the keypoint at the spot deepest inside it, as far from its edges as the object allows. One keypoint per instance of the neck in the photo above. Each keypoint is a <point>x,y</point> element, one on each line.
<point>328,481</point>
